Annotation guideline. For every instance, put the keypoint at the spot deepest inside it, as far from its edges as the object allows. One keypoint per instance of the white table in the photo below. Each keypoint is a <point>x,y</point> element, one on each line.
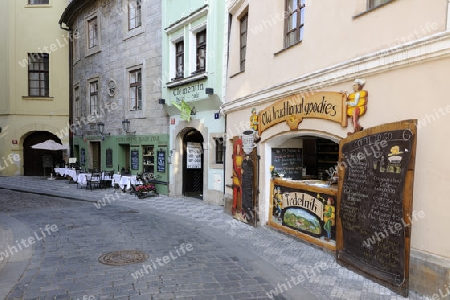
<point>125,181</point>
<point>67,172</point>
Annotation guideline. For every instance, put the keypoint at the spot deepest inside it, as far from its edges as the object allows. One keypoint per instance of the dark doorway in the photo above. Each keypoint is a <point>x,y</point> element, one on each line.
<point>193,164</point>
<point>34,159</point>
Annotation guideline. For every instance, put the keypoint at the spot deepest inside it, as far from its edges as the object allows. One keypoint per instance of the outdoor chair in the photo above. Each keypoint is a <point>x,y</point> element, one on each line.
<point>94,181</point>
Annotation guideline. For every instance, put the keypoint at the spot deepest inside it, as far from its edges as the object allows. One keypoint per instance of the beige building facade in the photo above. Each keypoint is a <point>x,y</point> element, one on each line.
<point>34,91</point>
<point>402,51</point>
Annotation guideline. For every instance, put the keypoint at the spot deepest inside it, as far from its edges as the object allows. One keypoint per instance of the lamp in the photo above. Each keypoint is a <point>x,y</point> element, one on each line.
<point>126,126</point>
<point>209,91</point>
<point>101,129</point>
<point>161,101</point>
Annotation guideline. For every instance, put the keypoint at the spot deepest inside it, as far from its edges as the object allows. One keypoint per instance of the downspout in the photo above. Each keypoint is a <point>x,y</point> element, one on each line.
<point>70,87</point>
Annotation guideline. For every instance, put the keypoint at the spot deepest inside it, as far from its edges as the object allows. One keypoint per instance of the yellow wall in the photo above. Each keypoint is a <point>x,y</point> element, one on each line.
<point>31,29</point>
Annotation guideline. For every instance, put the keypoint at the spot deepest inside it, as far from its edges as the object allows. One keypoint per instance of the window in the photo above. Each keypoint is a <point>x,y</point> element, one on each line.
<point>136,90</point>
<point>294,23</point>
<point>243,41</point>
<point>201,51</point>
<point>38,1</point>
<point>76,96</point>
<point>134,14</point>
<point>93,97</point>
<point>92,33</point>
<point>38,75</point>
<point>179,60</point>
<point>76,46</point>
<point>374,3</point>
<point>220,150</point>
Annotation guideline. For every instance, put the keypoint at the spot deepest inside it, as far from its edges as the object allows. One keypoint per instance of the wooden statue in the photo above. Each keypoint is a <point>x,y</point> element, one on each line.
<point>357,104</point>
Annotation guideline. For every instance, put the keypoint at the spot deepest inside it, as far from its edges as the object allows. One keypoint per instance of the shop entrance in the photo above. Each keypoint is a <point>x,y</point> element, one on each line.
<point>35,159</point>
<point>193,164</point>
<point>124,158</point>
<point>96,156</point>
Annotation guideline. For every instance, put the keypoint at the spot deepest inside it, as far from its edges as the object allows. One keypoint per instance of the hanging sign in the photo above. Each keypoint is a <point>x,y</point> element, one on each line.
<point>185,110</point>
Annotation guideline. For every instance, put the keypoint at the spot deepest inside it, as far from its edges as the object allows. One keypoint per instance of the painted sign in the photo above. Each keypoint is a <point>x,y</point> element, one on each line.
<point>188,92</point>
<point>292,109</point>
<point>244,186</point>
<point>377,170</point>
<point>194,155</point>
<point>311,213</point>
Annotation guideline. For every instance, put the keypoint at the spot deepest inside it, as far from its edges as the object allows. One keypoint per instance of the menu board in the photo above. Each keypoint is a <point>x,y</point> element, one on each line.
<point>134,159</point>
<point>82,157</point>
<point>376,196</point>
<point>109,158</point>
<point>288,161</point>
<point>161,161</point>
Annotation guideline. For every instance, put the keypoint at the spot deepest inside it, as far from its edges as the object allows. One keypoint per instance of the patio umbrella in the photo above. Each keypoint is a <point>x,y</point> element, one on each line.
<point>49,145</point>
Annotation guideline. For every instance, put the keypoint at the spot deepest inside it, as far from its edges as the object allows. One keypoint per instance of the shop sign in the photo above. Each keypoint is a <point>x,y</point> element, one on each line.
<point>292,109</point>
<point>308,212</point>
<point>188,92</point>
<point>185,110</point>
<point>138,139</point>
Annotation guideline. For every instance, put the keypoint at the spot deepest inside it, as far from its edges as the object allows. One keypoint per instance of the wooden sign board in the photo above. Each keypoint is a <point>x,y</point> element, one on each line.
<point>376,173</point>
<point>292,109</point>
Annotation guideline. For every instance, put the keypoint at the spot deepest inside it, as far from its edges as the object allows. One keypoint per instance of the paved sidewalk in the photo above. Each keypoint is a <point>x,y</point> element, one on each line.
<point>321,275</point>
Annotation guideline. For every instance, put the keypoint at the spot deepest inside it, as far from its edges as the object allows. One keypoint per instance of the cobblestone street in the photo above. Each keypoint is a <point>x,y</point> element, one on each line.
<point>196,251</point>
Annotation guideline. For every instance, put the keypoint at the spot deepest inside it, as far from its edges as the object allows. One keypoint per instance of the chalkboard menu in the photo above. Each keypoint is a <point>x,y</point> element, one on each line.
<point>376,197</point>
<point>135,159</point>
<point>161,161</point>
<point>288,161</point>
<point>82,157</point>
<point>109,158</point>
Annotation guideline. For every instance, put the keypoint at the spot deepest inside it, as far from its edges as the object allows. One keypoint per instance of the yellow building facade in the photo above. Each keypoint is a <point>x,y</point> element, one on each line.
<point>296,49</point>
<point>34,85</point>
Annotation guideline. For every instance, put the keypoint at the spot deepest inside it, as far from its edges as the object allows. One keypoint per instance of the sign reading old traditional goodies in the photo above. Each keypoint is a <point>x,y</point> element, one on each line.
<point>376,169</point>
<point>309,211</point>
<point>194,155</point>
<point>292,109</point>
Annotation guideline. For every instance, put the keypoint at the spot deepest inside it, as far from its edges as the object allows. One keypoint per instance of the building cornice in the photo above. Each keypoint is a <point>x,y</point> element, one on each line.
<point>429,48</point>
<point>202,11</point>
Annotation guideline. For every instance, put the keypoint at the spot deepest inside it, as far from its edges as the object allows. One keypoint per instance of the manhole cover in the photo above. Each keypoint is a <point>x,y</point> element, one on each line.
<point>123,257</point>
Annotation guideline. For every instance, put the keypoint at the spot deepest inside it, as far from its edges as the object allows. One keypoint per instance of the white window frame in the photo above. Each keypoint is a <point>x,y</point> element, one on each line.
<point>134,104</point>
<point>192,49</point>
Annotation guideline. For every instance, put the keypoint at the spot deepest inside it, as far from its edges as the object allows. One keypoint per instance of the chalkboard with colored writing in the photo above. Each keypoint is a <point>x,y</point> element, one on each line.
<point>135,159</point>
<point>161,161</point>
<point>376,169</point>
<point>288,161</point>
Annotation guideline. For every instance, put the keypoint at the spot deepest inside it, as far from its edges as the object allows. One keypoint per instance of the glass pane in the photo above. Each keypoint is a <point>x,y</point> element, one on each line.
<point>139,76</point>
<point>301,34</point>
<point>293,21</point>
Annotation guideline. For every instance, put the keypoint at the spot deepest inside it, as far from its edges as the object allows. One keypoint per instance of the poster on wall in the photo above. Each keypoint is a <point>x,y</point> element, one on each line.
<point>161,161</point>
<point>194,155</point>
<point>376,169</point>
<point>308,212</point>
<point>244,183</point>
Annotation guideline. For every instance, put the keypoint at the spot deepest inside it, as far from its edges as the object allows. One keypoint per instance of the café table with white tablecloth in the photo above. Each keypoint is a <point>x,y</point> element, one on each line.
<point>125,181</point>
<point>67,172</point>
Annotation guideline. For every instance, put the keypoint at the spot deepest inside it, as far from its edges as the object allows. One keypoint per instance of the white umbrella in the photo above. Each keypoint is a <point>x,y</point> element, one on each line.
<point>49,145</point>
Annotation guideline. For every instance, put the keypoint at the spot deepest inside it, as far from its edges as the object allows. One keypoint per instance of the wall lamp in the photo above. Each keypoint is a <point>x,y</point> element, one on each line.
<point>209,91</point>
<point>161,101</point>
<point>101,129</point>
<point>126,126</point>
